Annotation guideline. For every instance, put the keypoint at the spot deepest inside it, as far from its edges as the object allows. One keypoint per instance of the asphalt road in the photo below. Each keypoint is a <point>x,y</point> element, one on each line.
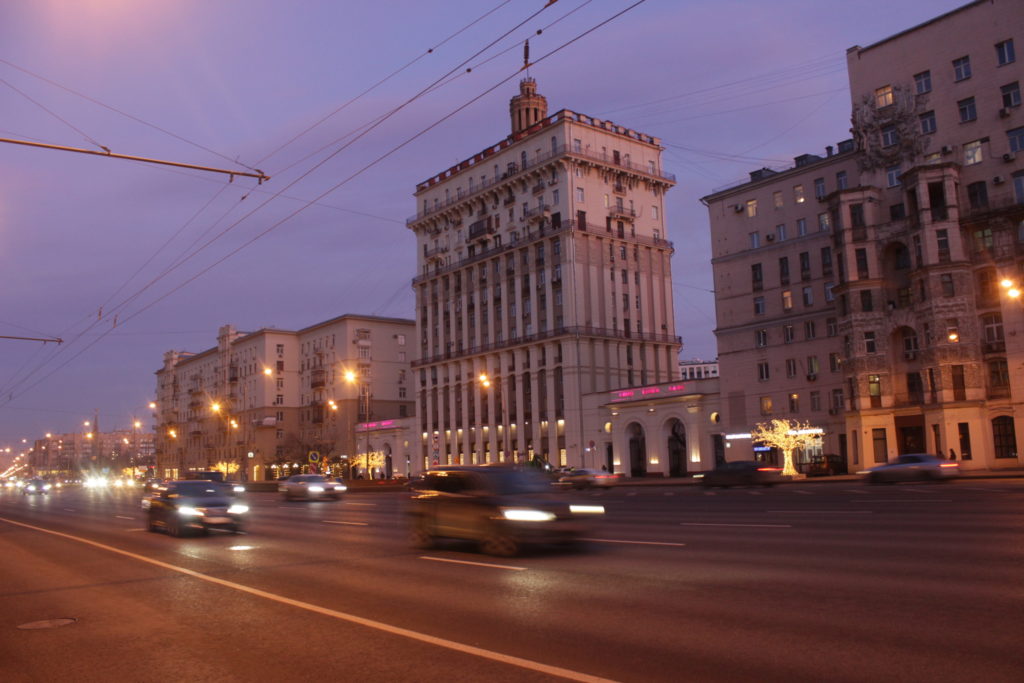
<point>803,582</point>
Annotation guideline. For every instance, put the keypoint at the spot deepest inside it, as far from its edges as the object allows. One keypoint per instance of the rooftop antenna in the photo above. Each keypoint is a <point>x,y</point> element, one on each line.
<point>526,56</point>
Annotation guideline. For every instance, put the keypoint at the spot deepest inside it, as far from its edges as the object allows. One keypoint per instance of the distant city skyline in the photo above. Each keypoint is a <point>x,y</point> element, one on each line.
<point>728,87</point>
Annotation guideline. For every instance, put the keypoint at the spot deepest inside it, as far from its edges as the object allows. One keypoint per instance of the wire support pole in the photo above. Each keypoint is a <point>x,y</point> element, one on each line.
<point>259,175</point>
<point>45,340</point>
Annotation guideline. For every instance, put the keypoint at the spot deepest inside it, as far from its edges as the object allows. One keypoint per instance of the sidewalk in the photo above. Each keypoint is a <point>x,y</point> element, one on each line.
<point>1007,473</point>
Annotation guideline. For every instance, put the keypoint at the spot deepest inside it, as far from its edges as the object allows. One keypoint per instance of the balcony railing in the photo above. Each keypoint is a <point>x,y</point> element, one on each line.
<point>317,378</point>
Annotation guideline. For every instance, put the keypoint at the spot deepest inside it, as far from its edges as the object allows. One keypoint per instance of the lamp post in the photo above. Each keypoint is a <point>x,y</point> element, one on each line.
<point>363,389</point>
<point>486,382</point>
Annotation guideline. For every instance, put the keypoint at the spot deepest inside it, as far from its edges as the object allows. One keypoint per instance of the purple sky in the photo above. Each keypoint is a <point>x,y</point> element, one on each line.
<point>728,85</point>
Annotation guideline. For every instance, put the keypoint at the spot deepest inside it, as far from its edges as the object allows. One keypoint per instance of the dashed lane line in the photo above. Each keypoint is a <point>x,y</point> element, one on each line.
<point>331,521</point>
<point>759,526</point>
<point>473,564</point>
<point>123,517</point>
<point>612,540</point>
<point>491,655</point>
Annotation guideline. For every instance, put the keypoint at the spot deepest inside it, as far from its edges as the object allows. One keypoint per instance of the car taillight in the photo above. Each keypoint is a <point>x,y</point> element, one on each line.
<point>949,464</point>
<point>768,469</point>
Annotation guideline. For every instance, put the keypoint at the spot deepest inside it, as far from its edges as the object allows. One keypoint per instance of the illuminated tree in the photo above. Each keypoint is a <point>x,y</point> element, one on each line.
<point>787,436</point>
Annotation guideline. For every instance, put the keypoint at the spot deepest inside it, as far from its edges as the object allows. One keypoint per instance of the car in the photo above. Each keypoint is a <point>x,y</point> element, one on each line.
<point>500,507</point>
<point>152,484</point>
<point>742,473</point>
<point>35,486</point>
<point>913,467</point>
<point>180,507</point>
<point>211,475</point>
<point>584,478</point>
<point>310,486</point>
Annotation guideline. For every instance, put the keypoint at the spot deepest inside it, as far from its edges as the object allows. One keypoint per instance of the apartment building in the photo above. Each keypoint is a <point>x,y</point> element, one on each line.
<point>119,452</point>
<point>259,403</point>
<point>544,276</point>
<point>925,349</point>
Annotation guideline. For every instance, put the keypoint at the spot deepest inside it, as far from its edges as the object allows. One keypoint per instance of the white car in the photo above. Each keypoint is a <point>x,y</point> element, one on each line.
<point>913,467</point>
<point>310,487</point>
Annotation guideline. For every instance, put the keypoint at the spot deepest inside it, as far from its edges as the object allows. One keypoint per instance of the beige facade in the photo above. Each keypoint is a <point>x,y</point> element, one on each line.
<point>263,400</point>
<point>919,350</point>
<point>543,264</point>
<point>70,455</point>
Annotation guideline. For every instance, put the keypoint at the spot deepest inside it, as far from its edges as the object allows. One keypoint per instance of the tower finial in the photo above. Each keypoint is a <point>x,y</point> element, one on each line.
<point>526,56</point>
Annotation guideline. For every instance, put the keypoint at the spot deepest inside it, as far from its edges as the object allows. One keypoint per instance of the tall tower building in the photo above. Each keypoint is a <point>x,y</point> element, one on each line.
<point>544,275</point>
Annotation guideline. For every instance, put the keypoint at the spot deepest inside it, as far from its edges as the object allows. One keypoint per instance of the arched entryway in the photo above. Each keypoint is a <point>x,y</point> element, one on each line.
<point>637,450</point>
<point>676,434</point>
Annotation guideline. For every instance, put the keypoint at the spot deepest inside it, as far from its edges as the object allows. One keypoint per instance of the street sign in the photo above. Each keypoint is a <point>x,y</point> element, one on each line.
<point>314,456</point>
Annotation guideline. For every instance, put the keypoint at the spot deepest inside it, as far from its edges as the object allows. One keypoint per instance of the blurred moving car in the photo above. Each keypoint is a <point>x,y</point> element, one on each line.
<point>499,506</point>
<point>35,486</point>
<point>310,487</point>
<point>152,484</point>
<point>913,467</point>
<point>584,479</point>
<point>182,506</point>
<point>742,473</point>
<point>211,475</point>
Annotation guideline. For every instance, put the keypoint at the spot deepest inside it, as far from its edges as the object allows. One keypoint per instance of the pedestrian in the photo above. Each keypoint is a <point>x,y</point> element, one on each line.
<point>952,454</point>
<point>604,468</point>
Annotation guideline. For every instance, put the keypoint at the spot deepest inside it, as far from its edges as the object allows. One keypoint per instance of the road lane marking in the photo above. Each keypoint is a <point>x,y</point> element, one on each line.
<point>142,529</point>
<point>367,505</point>
<point>801,491</point>
<point>331,521</point>
<point>475,564</point>
<point>69,509</point>
<point>725,524</point>
<point>511,660</point>
<point>123,517</point>
<point>904,500</point>
<point>612,540</point>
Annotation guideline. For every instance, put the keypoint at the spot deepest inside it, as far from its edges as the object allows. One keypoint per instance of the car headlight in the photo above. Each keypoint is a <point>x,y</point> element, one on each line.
<point>30,487</point>
<point>189,511</point>
<point>47,487</point>
<point>586,509</point>
<point>239,489</point>
<point>118,483</point>
<point>341,487</point>
<point>526,515</point>
<point>316,489</point>
<point>238,509</point>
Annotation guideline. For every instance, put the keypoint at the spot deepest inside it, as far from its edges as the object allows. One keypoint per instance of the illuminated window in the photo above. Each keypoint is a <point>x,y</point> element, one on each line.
<point>883,96</point>
<point>798,194</point>
<point>751,208</point>
<point>972,153</point>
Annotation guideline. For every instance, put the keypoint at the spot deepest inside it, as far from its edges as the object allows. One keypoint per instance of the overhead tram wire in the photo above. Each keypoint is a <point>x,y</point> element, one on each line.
<point>184,259</point>
<point>54,114</point>
<point>382,82</point>
<point>327,192</point>
<point>125,114</point>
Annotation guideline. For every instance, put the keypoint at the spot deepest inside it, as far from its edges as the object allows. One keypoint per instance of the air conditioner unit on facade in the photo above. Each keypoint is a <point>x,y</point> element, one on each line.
<point>1004,112</point>
<point>1009,156</point>
<point>998,180</point>
<point>910,355</point>
<point>811,376</point>
<point>833,411</point>
<point>947,149</point>
<point>738,208</point>
<point>769,238</point>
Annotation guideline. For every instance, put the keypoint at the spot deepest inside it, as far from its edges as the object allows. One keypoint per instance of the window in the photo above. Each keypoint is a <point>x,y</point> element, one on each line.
<point>654,212</point>
<point>808,296</point>
<point>766,405</point>
<point>883,96</point>
<point>751,208</point>
<point>805,265</point>
<point>977,195</point>
<point>787,300</point>
<point>961,68</point>
<point>777,199</point>
<point>756,277</point>
<point>1016,138</point>
<point>998,373</point>
<point>829,293</point>
<point>780,231</point>
<point>927,120</point>
<point>819,188</point>
<point>832,327</point>
<point>834,362</point>
<point>968,112</point>
<point>810,330</point>
<point>579,194</point>
<point>826,261</point>
<point>791,367</point>
<point>857,215</point>
<point>948,287</point>
<point>794,403</point>
<point>841,180</point>
<point>787,334</point>
<point>861,259</point>
<point>761,338</point>
<point>279,400</point>
<point>972,153</point>
<point>869,343</point>
<point>280,349</point>
<point>798,194</point>
<point>824,222</point>
<point>801,226</point>
<point>890,136</point>
<point>1011,94</point>
<point>923,82</point>
<point>577,145</point>
<point>866,301</point>
<point>763,372</point>
<point>1018,187</point>
<point>1004,52</point>
<point>892,176</point>
<point>784,270</point>
<point>813,366</point>
<point>758,305</point>
<point>755,240</point>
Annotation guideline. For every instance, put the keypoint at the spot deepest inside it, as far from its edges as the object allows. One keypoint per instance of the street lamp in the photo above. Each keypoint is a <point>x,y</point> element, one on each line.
<point>486,382</point>
<point>364,395</point>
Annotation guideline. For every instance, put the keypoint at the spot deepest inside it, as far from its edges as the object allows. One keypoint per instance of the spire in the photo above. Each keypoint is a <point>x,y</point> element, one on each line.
<point>527,108</point>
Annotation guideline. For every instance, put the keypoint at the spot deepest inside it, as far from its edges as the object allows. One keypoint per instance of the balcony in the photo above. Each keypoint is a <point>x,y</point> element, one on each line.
<point>318,378</point>
<point>538,188</point>
<point>537,213</point>
<point>477,230</point>
<point>998,346</point>
<point>621,212</point>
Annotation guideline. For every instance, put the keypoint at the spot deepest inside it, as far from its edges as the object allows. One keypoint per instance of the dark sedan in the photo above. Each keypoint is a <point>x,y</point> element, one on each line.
<point>500,507</point>
<point>180,507</point>
<point>742,473</point>
<point>913,467</point>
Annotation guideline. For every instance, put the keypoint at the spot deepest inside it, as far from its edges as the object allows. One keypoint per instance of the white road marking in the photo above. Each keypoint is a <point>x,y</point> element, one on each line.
<point>367,505</point>
<point>331,521</point>
<point>825,512</point>
<point>69,509</point>
<point>801,491</point>
<point>123,517</point>
<point>142,529</point>
<point>474,564</point>
<point>611,540</point>
<point>904,500</point>
<point>725,524</point>
<point>342,616</point>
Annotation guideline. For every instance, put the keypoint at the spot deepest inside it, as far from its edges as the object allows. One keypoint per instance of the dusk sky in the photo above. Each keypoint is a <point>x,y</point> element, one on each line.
<point>728,85</point>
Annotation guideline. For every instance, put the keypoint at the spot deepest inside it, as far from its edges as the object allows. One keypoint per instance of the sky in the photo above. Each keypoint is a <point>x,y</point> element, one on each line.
<point>124,260</point>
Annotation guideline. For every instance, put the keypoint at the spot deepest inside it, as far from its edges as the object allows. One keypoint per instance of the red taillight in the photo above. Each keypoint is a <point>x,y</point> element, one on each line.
<point>768,469</point>
<point>949,464</point>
